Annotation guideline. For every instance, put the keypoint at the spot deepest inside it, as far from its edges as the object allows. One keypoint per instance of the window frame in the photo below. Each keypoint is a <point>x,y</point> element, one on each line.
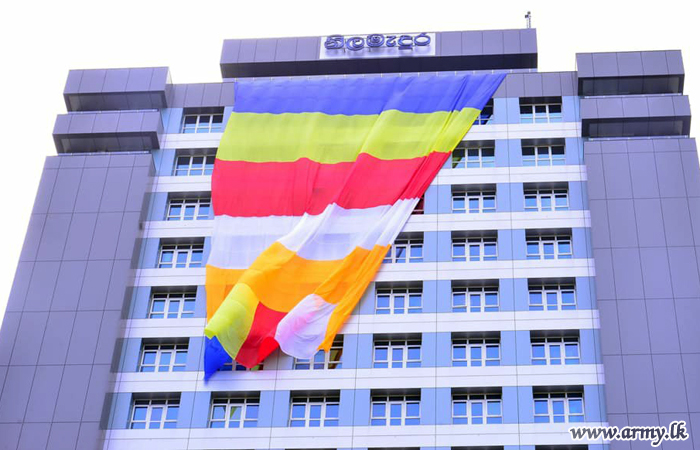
<point>165,404</point>
<point>174,350</point>
<point>199,203</point>
<point>473,157</point>
<point>470,401</point>
<point>483,293</point>
<point>558,290</point>
<point>190,169</point>
<point>468,243</point>
<point>324,419</point>
<point>403,401</point>
<point>323,360</point>
<point>479,197</point>
<point>549,343</point>
<point>408,244</point>
<point>543,155</point>
<point>247,405</point>
<point>481,343</point>
<point>539,194</point>
<point>200,126</point>
<point>553,240</point>
<point>549,398</point>
<point>184,298</point>
<point>547,116</point>
<point>189,249</point>
<point>406,346</point>
<point>394,293</point>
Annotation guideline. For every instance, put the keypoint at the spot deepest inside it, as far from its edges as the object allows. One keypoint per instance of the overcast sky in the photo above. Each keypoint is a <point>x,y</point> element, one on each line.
<point>40,42</point>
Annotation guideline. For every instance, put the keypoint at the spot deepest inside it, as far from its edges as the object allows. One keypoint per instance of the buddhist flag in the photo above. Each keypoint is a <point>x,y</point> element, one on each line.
<point>313,181</point>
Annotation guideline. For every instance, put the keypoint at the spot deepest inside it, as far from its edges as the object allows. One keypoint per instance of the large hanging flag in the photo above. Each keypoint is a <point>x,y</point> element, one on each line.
<point>313,181</point>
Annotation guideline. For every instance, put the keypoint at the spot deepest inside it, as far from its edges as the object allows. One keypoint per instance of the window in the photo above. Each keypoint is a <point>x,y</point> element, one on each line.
<point>540,111</point>
<point>475,298</point>
<point>546,199</point>
<point>558,407</point>
<point>230,367</point>
<point>420,206</point>
<point>474,249</point>
<point>555,350</point>
<point>173,305</point>
<point>552,297</point>
<point>477,409</point>
<point>485,115</point>
<point>193,165</point>
<point>323,360</point>
<point>405,250</point>
<point>474,201</point>
<point>188,208</point>
<point>234,412</point>
<point>180,255</point>
<point>473,157</point>
<point>154,414</point>
<point>163,358</point>
<point>476,351</point>
<point>399,301</point>
<point>549,247</point>
<point>202,123</point>
<point>544,155</point>
<point>314,411</point>
<point>395,410</point>
<point>396,353</point>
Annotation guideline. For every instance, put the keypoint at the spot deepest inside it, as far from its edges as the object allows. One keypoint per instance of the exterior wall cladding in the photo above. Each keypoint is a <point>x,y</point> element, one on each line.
<point>101,345</point>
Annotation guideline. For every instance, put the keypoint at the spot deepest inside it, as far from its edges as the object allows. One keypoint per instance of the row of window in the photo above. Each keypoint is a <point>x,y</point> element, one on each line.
<point>202,163</point>
<point>463,201</point>
<point>554,348</point>
<point>531,111</point>
<point>386,409</point>
<point>554,296</point>
<point>483,248</point>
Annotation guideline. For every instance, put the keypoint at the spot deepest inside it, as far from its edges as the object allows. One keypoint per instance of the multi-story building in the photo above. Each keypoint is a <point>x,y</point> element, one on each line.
<point>548,278</point>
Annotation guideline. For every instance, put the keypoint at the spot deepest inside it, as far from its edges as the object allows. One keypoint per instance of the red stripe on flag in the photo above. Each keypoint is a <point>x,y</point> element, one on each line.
<point>261,337</point>
<point>247,189</point>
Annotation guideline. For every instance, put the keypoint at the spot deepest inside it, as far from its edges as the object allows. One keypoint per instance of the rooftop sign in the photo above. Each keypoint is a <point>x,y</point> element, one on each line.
<point>377,46</point>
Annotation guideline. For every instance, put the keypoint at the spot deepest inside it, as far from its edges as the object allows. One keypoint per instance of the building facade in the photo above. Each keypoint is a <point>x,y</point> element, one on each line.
<point>548,278</point>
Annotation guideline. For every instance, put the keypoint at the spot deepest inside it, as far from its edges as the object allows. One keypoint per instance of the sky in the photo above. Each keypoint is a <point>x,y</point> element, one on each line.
<point>41,42</point>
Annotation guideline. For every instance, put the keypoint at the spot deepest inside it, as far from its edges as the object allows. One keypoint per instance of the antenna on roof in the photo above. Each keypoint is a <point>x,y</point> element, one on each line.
<point>528,17</point>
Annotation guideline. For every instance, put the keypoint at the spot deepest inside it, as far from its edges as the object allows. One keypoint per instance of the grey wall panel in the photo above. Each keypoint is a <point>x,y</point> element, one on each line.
<point>43,194</point>
<point>42,285</point>
<point>83,340</point>
<point>8,333</point>
<point>45,387</point>
<point>647,282</point>
<point>655,272</point>
<point>63,435</point>
<point>33,237</point>
<point>691,367</point>
<point>29,337</point>
<point>53,239</point>
<point>669,384</point>
<point>72,394</point>
<point>34,436</point>
<point>20,286</point>
<point>95,285</point>
<point>15,393</point>
<point>58,338</point>
<point>80,234</point>
<point>663,330</point>
<point>104,242</point>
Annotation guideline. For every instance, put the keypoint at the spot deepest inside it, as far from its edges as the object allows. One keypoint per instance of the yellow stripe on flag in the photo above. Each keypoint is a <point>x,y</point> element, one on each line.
<point>264,137</point>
